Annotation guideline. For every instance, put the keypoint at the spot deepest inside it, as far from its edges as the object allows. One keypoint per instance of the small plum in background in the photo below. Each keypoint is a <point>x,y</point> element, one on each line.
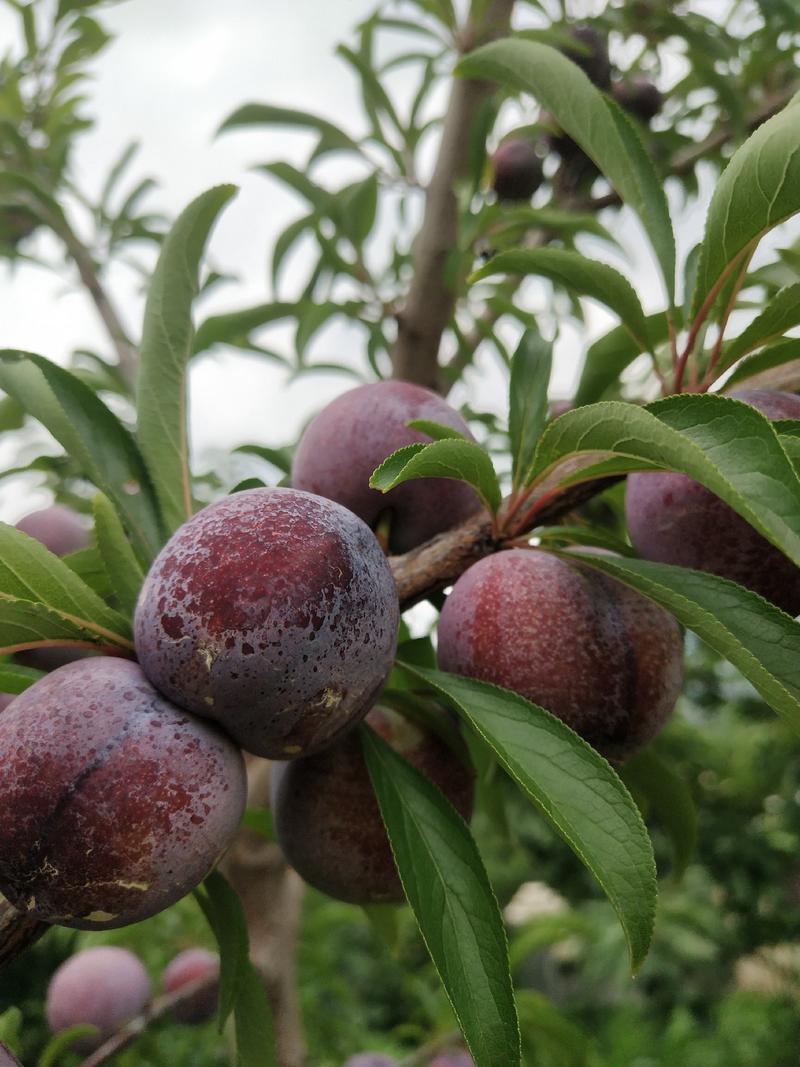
<point>354,434</point>
<point>516,170</point>
<point>122,802</point>
<point>639,97</point>
<point>104,986</point>
<point>189,966</point>
<point>370,1059</point>
<point>327,819</point>
<point>598,655</point>
<point>673,519</point>
<point>591,54</point>
<point>7,1057</point>
<point>458,1058</point>
<point>274,613</point>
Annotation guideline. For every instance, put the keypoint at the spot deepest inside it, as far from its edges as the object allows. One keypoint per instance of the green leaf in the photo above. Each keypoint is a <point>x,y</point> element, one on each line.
<point>775,367</point>
<point>609,356</point>
<point>92,435</point>
<point>53,1052</point>
<point>591,119</point>
<point>723,443</point>
<point>27,624</point>
<point>235,327</point>
<point>586,277</point>
<point>781,314</point>
<point>164,355</point>
<point>754,635</point>
<point>436,430</point>
<point>375,96</point>
<point>356,207</point>
<point>527,400</point>
<point>669,798</point>
<point>259,820</point>
<point>759,189</point>
<point>16,679</point>
<point>585,535</point>
<point>90,568</point>
<point>240,989</point>
<point>573,786</point>
<point>287,240</point>
<point>300,183</point>
<point>463,461</point>
<point>449,892</point>
<point>278,457</point>
<point>269,115</point>
<point>118,557</point>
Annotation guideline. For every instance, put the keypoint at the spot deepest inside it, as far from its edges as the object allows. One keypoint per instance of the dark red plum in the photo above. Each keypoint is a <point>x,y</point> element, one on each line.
<point>516,170</point>
<point>598,655</point>
<point>273,612</point>
<point>5,700</point>
<point>327,819</point>
<point>7,1057</point>
<point>122,802</point>
<point>353,435</point>
<point>61,530</point>
<point>591,55</point>
<point>104,986</point>
<point>673,519</point>
<point>192,965</point>
<point>639,97</point>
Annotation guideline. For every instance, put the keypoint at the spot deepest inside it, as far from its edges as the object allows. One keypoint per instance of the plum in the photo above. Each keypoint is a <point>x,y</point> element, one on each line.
<point>370,1059</point>
<point>273,612</point>
<point>598,655</point>
<point>673,519</point>
<point>7,1057</point>
<point>456,1058</point>
<point>327,819</point>
<point>190,966</point>
<point>348,439</point>
<point>121,802</point>
<point>61,530</point>
<point>639,96</point>
<point>591,55</point>
<point>104,986</point>
<point>5,700</point>
<point>516,170</point>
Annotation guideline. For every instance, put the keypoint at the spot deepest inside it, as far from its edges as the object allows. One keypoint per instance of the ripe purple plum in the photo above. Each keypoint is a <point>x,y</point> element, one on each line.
<point>516,170</point>
<point>273,612</point>
<point>192,965</point>
<point>673,519</point>
<point>598,655</point>
<point>591,55</point>
<point>327,819</point>
<point>7,1057</point>
<point>354,434</point>
<point>122,802</point>
<point>456,1058</point>
<point>5,700</point>
<point>61,530</point>
<point>370,1059</point>
<point>639,96</point>
<point>104,986</point>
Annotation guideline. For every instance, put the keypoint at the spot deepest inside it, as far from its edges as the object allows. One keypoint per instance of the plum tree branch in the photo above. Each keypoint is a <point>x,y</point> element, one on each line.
<point>431,296</point>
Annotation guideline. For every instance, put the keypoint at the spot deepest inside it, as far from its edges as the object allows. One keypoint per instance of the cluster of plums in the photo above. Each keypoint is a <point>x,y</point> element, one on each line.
<point>516,165</point>
<point>269,623</point>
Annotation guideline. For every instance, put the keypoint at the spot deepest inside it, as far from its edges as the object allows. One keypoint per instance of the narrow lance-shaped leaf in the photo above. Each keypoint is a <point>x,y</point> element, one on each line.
<point>591,119</point>
<point>723,443</point>
<point>463,461</point>
<point>669,799</point>
<point>449,892</point>
<point>782,313</point>
<point>758,638</point>
<point>573,786</point>
<point>575,272</point>
<point>527,400</point>
<point>270,115</point>
<point>164,355</point>
<point>774,367</point>
<point>14,678</point>
<point>609,356</point>
<point>121,564</point>
<point>759,189</point>
<point>437,431</point>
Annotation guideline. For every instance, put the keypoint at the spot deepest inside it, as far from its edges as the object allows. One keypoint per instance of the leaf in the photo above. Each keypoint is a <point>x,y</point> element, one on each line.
<point>591,119</point>
<point>464,461</point>
<point>260,821</point>
<point>755,636</point>
<point>15,678</point>
<point>781,314</point>
<point>278,457</point>
<point>670,800</point>
<point>436,430</point>
<point>240,989</point>
<point>608,357</point>
<point>269,115</point>
<point>573,786</point>
<point>356,207</point>
<point>235,327</point>
<point>723,443</point>
<point>164,355</point>
<point>775,367</point>
<point>286,241</point>
<point>575,272</point>
<point>53,1052</point>
<point>118,557</point>
<point>449,892</point>
<point>90,568</point>
<point>26,624</point>
<point>527,400</point>
<point>92,435</point>
<point>759,189</point>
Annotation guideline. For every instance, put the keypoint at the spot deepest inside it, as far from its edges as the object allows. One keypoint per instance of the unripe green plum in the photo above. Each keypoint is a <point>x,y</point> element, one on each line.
<point>516,170</point>
<point>191,965</point>
<point>673,519</point>
<point>273,612</point>
<point>598,655</point>
<point>122,802</point>
<point>104,986</point>
<point>327,819</point>
<point>354,434</point>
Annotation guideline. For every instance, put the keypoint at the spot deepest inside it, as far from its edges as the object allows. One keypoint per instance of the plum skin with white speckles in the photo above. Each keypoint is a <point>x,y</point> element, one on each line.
<point>273,612</point>
<point>121,802</point>
<point>596,654</point>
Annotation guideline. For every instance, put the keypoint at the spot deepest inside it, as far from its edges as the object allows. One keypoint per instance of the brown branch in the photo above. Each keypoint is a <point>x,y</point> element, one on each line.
<point>431,297</point>
<point>17,932</point>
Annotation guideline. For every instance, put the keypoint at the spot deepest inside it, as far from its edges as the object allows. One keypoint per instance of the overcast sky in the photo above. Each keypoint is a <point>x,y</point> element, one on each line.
<point>173,73</point>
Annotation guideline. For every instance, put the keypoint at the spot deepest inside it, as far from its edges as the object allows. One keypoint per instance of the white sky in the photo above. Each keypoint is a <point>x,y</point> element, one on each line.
<point>174,72</point>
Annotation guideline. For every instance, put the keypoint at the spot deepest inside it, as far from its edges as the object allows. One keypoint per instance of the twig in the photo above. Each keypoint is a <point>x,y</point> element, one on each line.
<point>17,932</point>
